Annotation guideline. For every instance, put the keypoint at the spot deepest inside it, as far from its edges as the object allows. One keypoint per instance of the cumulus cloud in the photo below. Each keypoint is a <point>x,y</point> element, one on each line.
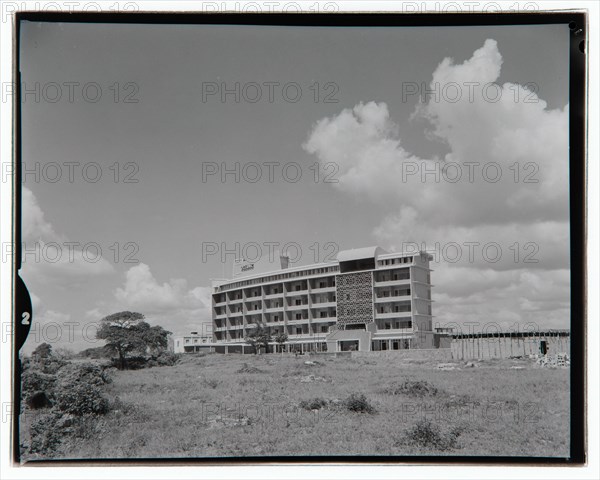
<point>504,181</point>
<point>538,245</point>
<point>511,299</point>
<point>50,256</point>
<point>34,225</point>
<point>507,150</point>
<point>171,304</point>
<point>141,289</point>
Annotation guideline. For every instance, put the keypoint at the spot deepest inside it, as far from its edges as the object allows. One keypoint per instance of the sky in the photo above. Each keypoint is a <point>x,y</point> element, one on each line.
<point>135,114</point>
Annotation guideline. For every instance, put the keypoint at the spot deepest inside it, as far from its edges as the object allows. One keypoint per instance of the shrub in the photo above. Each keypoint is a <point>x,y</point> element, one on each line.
<point>412,388</point>
<point>211,383</point>
<point>38,400</point>
<point>83,373</point>
<point>249,369</point>
<point>82,399</point>
<point>358,402</point>
<point>163,359</point>
<point>45,436</point>
<point>313,404</point>
<point>167,359</point>
<point>426,434</point>
<point>33,381</point>
<point>37,388</point>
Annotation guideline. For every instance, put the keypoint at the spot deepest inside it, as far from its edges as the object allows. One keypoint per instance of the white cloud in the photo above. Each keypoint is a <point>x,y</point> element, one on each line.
<point>482,135</point>
<point>49,256</point>
<point>537,245</point>
<point>172,304</point>
<point>488,128</point>
<point>34,226</point>
<point>141,289</point>
<point>468,295</point>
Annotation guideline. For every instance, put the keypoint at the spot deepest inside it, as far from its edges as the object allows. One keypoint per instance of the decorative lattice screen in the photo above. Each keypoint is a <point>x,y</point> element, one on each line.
<point>354,294</point>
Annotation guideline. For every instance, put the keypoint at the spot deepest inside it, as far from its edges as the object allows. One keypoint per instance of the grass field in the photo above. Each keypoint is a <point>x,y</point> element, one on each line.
<point>270,405</point>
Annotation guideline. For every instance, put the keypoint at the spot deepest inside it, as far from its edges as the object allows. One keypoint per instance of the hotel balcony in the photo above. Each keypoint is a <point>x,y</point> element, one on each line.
<point>323,290</point>
<point>221,304</point>
<point>398,298</point>
<point>292,293</point>
<point>220,329</point>
<point>221,316</point>
<point>236,301</point>
<point>235,314</point>
<point>324,304</point>
<point>302,321</point>
<point>274,309</point>
<point>324,319</point>
<point>297,307</point>
<point>274,295</point>
<point>391,283</point>
<point>392,314</point>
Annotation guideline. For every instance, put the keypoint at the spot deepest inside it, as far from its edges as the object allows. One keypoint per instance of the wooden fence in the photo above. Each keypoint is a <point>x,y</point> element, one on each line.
<point>505,345</point>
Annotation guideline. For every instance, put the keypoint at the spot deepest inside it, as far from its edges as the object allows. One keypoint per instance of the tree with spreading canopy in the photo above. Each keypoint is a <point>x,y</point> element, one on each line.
<point>259,338</point>
<point>127,334</point>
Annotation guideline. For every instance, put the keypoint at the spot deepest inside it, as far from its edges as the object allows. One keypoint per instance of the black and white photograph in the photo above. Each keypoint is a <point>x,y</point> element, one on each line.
<point>255,237</point>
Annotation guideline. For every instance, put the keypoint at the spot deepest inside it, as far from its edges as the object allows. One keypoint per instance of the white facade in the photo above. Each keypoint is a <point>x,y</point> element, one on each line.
<point>192,343</point>
<point>366,300</point>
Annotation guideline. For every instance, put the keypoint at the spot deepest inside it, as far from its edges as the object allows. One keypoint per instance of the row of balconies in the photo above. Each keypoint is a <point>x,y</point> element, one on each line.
<point>290,321</point>
<point>268,308</point>
<point>274,292</point>
<point>383,315</point>
<point>293,331</point>
<point>382,279</point>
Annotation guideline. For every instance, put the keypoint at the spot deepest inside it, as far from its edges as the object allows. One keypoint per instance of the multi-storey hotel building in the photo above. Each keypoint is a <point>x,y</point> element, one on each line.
<point>366,300</point>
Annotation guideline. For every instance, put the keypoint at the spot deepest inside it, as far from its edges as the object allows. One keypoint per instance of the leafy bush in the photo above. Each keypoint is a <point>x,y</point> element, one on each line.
<point>249,369</point>
<point>45,436</point>
<point>38,400</point>
<point>162,359</point>
<point>33,381</point>
<point>412,388</point>
<point>83,399</point>
<point>428,435</point>
<point>211,383</point>
<point>87,373</point>
<point>313,404</point>
<point>358,402</point>
<point>167,359</point>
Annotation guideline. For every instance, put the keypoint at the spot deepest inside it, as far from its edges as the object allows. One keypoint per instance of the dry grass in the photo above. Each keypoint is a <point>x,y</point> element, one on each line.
<point>219,406</point>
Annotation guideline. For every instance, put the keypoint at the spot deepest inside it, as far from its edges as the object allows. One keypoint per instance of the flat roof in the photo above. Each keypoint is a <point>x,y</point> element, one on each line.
<point>360,253</point>
<point>343,256</point>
